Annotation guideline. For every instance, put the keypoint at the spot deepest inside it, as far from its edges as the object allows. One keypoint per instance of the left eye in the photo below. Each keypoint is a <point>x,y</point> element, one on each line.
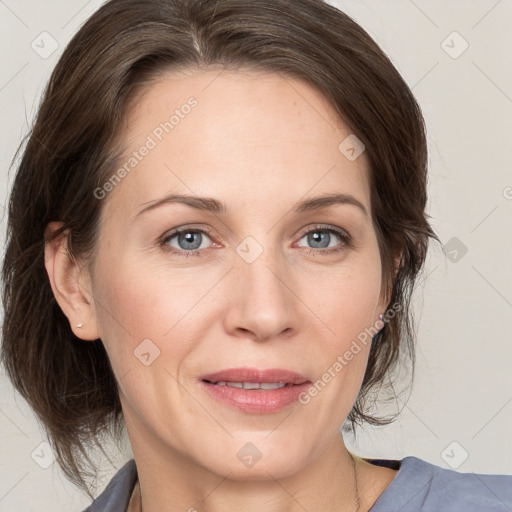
<point>320,238</point>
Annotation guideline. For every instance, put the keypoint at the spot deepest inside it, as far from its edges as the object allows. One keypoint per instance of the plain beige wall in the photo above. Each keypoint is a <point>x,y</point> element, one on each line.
<point>460,411</point>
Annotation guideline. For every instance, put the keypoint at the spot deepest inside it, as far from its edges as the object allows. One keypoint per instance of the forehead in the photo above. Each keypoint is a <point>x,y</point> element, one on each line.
<point>247,134</point>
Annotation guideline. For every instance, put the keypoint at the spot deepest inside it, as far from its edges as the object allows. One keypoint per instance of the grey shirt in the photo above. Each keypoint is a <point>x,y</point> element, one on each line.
<point>417,487</point>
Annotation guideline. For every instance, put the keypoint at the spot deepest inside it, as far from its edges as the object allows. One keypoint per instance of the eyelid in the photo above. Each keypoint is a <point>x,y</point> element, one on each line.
<point>324,227</point>
<point>185,228</point>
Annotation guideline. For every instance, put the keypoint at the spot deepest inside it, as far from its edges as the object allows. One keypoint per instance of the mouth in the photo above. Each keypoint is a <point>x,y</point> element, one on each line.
<point>255,378</point>
<point>255,391</point>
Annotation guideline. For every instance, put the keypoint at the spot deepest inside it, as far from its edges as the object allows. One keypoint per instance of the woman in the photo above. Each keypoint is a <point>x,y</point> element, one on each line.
<point>221,210</point>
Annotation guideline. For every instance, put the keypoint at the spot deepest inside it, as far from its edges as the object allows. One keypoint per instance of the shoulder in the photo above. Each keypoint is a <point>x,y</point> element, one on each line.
<point>116,495</point>
<point>420,486</point>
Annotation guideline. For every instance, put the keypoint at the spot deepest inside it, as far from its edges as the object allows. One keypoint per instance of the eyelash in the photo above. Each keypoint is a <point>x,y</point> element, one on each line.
<point>346,240</point>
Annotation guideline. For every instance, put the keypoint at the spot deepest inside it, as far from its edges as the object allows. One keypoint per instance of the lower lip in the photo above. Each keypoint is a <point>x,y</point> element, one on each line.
<point>257,400</point>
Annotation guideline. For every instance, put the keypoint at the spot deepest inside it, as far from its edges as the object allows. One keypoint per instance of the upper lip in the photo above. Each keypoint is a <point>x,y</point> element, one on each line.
<point>256,375</point>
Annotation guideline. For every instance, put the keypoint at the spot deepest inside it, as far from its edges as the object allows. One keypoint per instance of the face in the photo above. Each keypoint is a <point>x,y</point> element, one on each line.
<point>259,283</point>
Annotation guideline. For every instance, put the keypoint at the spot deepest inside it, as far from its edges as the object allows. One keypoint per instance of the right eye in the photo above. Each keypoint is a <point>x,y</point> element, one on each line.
<point>188,241</point>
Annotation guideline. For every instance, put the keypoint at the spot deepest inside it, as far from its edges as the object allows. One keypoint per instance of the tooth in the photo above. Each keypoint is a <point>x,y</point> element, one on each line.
<point>251,385</point>
<point>272,385</point>
<point>235,384</point>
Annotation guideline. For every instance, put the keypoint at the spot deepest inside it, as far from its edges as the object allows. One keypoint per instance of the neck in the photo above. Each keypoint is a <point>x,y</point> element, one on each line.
<point>329,483</point>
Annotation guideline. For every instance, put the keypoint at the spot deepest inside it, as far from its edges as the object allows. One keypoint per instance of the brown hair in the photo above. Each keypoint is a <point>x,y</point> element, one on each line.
<point>71,150</point>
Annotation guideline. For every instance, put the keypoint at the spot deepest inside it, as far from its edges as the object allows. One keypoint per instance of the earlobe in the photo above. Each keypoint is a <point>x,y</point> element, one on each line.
<point>71,286</point>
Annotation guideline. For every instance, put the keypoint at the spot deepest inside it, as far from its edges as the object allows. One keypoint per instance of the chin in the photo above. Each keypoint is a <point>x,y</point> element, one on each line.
<point>256,461</point>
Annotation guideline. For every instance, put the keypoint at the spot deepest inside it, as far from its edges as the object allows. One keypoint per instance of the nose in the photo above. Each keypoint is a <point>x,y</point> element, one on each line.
<point>262,304</point>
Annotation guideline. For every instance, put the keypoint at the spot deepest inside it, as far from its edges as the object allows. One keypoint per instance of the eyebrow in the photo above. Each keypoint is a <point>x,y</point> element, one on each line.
<point>218,207</point>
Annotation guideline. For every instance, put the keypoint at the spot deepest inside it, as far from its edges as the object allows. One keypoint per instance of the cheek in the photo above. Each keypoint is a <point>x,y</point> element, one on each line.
<point>147,309</point>
<point>347,304</point>
<point>348,310</point>
<point>346,301</point>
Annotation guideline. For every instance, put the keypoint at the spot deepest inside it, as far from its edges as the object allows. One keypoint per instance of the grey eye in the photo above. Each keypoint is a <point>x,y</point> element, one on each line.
<point>321,238</point>
<point>187,240</point>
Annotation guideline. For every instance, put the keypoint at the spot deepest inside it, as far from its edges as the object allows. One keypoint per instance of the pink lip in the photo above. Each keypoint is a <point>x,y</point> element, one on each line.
<point>256,375</point>
<point>257,401</point>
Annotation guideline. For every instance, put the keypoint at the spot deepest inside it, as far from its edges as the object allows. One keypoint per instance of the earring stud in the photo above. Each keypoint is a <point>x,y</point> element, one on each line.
<point>79,325</point>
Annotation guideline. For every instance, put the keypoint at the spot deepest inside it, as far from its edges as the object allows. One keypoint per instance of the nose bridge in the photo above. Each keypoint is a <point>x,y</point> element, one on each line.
<point>260,266</point>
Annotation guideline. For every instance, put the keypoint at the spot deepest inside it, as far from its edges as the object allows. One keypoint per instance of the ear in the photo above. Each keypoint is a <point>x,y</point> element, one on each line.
<point>386,299</point>
<point>398,262</point>
<point>71,284</point>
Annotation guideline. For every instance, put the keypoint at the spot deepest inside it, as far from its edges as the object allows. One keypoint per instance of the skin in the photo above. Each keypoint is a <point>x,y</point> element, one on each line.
<point>258,142</point>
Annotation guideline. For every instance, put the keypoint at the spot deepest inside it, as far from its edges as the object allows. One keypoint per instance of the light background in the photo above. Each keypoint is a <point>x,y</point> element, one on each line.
<point>463,387</point>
